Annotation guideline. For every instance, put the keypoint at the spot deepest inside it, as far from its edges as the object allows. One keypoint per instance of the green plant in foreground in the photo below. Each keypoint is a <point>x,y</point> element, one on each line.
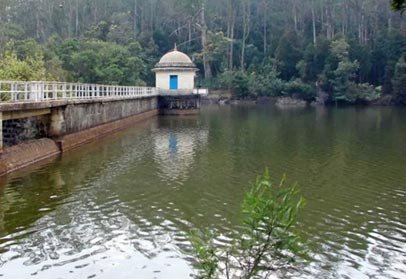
<point>265,242</point>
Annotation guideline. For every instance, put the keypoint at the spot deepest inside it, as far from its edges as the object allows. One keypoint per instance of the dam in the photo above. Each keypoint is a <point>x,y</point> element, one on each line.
<point>40,119</point>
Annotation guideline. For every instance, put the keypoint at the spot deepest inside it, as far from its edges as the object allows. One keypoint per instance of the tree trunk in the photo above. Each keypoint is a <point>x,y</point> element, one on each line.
<point>189,27</point>
<point>37,23</point>
<point>230,33</point>
<point>246,30</point>
<point>314,25</point>
<point>390,24</point>
<point>231,61</point>
<point>135,11</point>
<point>77,19</point>
<point>206,64</point>
<point>265,25</point>
<point>295,16</point>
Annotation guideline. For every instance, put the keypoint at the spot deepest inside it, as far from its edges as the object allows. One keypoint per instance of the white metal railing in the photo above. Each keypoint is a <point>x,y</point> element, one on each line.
<point>37,91</point>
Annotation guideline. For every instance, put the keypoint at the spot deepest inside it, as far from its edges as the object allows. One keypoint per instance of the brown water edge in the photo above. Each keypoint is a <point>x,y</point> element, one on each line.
<point>34,151</point>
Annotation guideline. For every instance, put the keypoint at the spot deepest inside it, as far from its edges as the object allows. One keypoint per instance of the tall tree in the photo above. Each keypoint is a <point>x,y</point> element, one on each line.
<point>206,64</point>
<point>246,28</point>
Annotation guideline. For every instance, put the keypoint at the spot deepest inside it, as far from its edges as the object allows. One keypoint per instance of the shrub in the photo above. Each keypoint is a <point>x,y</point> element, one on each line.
<point>238,81</point>
<point>365,92</point>
<point>300,89</point>
<point>266,239</point>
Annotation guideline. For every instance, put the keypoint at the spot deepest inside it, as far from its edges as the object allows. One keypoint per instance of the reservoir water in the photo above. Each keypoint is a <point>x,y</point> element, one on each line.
<point>122,207</point>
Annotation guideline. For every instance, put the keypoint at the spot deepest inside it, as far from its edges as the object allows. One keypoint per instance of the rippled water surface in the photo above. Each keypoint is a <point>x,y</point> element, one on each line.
<point>122,207</point>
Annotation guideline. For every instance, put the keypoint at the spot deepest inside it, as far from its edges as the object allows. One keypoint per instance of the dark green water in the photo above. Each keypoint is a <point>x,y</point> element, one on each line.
<point>121,207</point>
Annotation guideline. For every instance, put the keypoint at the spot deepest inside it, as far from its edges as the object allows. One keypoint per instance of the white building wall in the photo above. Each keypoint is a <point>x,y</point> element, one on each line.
<point>186,80</point>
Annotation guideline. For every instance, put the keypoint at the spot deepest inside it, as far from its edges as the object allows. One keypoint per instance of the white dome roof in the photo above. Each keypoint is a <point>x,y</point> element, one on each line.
<point>175,57</point>
<point>175,60</point>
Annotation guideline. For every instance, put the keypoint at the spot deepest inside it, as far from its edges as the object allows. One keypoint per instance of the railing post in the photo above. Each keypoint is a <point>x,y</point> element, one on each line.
<point>54,91</point>
<point>41,91</point>
<point>33,91</point>
<point>25,91</point>
<point>64,88</point>
<point>12,87</point>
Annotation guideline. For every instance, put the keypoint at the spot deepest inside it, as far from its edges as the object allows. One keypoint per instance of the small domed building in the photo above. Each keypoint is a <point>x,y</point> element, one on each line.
<point>175,71</point>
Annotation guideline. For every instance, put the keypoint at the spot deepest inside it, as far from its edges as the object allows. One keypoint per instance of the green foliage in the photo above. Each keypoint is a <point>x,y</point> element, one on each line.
<point>217,50</point>
<point>345,50</point>
<point>342,80</point>
<point>288,53</point>
<point>339,72</point>
<point>27,68</point>
<point>102,62</point>
<point>65,50</point>
<point>399,81</point>
<point>398,5</point>
<point>27,48</point>
<point>99,31</point>
<point>265,81</point>
<point>363,92</point>
<point>26,60</point>
<point>120,29</point>
<point>10,32</point>
<point>314,59</point>
<point>206,253</point>
<point>300,90</point>
<point>238,81</point>
<point>265,241</point>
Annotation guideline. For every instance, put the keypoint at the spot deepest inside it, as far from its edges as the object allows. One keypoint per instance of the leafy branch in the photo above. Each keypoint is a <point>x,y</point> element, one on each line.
<point>266,241</point>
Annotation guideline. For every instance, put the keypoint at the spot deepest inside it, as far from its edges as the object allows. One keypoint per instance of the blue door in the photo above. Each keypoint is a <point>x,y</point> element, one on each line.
<point>173,82</point>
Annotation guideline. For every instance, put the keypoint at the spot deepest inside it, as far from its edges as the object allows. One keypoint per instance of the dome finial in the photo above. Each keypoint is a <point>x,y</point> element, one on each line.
<point>175,48</point>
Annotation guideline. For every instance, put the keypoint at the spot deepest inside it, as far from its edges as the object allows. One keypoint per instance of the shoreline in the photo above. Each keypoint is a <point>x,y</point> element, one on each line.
<point>225,97</point>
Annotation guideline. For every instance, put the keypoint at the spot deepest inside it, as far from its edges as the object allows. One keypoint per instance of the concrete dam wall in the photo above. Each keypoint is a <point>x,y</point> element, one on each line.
<point>35,131</point>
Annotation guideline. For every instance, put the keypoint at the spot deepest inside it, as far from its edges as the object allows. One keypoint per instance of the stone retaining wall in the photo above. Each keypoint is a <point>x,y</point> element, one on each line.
<point>80,117</point>
<point>74,140</point>
<point>33,151</point>
<point>16,131</point>
<point>64,126</point>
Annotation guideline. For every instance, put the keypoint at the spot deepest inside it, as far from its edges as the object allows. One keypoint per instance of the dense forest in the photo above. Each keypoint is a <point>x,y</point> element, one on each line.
<point>347,51</point>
